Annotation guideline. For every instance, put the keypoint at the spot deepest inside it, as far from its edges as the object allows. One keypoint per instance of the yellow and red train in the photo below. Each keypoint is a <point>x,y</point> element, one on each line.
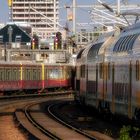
<point>33,76</point>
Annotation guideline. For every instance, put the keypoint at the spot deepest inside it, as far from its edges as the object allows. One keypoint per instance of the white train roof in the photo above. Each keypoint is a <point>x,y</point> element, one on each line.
<point>91,52</point>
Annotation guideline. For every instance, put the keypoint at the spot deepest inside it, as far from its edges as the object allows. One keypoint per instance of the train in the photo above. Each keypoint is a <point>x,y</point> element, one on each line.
<point>108,73</point>
<point>33,77</point>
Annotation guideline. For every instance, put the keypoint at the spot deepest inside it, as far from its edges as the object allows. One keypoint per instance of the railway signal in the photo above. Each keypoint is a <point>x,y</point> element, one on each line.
<point>35,42</point>
<point>58,41</point>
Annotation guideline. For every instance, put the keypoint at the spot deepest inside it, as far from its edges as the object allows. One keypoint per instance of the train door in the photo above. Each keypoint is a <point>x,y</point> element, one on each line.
<point>122,89</point>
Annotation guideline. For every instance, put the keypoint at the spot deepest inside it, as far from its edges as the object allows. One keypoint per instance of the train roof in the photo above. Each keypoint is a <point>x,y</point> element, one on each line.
<point>80,53</point>
<point>91,52</point>
<point>33,63</point>
<point>127,40</point>
<point>126,45</point>
<point>135,26</point>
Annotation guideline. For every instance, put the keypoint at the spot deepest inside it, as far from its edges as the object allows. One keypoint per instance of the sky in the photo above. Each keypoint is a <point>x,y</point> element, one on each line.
<point>4,13</point>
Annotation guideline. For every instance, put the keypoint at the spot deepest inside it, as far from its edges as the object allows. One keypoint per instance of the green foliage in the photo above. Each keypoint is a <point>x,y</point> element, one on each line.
<point>126,131</point>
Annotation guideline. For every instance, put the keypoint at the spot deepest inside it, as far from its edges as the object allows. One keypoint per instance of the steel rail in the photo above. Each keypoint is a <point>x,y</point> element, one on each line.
<point>68,125</point>
<point>38,126</point>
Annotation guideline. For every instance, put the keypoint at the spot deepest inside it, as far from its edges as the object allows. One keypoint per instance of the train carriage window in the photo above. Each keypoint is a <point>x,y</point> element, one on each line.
<point>13,75</point>
<point>109,71</point>
<point>5,71</point>
<point>122,44</point>
<point>38,74</point>
<point>83,71</point>
<point>51,73</point>
<point>34,74</point>
<point>55,73</point>
<point>1,74</point>
<point>137,70</point>
<point>127,43</point>
<point>8,74</point>
<point>101,70</point>
<point>132,41</point>
<point>60,74</point>
<point>27,74</point>
<point>117,44</point>
<point>30,73</point>
<point>15,71</point>
<point>5,74</point>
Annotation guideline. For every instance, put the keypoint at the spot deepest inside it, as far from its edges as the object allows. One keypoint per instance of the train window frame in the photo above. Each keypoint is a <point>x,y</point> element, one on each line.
<point>137,70</point>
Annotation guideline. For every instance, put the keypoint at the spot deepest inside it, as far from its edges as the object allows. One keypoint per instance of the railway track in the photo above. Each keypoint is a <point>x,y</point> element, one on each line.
<point>8,128</point>
<point>78,130</point>
<point>48,127</point>
<point>37,124</point>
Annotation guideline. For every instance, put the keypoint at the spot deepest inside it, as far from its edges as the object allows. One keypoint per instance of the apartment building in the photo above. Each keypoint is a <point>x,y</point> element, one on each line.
<point>42,15</point>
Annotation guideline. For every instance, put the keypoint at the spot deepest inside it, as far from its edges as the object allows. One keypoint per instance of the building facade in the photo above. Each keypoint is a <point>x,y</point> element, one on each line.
<point>42,15</point>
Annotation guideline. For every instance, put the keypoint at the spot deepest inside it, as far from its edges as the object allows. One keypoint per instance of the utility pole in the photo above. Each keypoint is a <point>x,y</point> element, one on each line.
<point>118,7</point>
<point>74,16</point>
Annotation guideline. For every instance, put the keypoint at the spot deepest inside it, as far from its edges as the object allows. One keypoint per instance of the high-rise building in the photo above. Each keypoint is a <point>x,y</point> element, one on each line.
<point>42,15</point>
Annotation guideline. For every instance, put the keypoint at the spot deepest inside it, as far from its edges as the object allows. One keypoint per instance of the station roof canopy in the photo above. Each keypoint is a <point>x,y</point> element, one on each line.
<point>12,32</point>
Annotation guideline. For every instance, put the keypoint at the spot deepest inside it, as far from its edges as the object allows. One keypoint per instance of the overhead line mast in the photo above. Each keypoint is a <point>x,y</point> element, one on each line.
<point>74,17</point>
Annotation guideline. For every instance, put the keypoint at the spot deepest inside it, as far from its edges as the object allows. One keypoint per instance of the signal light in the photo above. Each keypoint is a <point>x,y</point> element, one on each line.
<point>35,42</point>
